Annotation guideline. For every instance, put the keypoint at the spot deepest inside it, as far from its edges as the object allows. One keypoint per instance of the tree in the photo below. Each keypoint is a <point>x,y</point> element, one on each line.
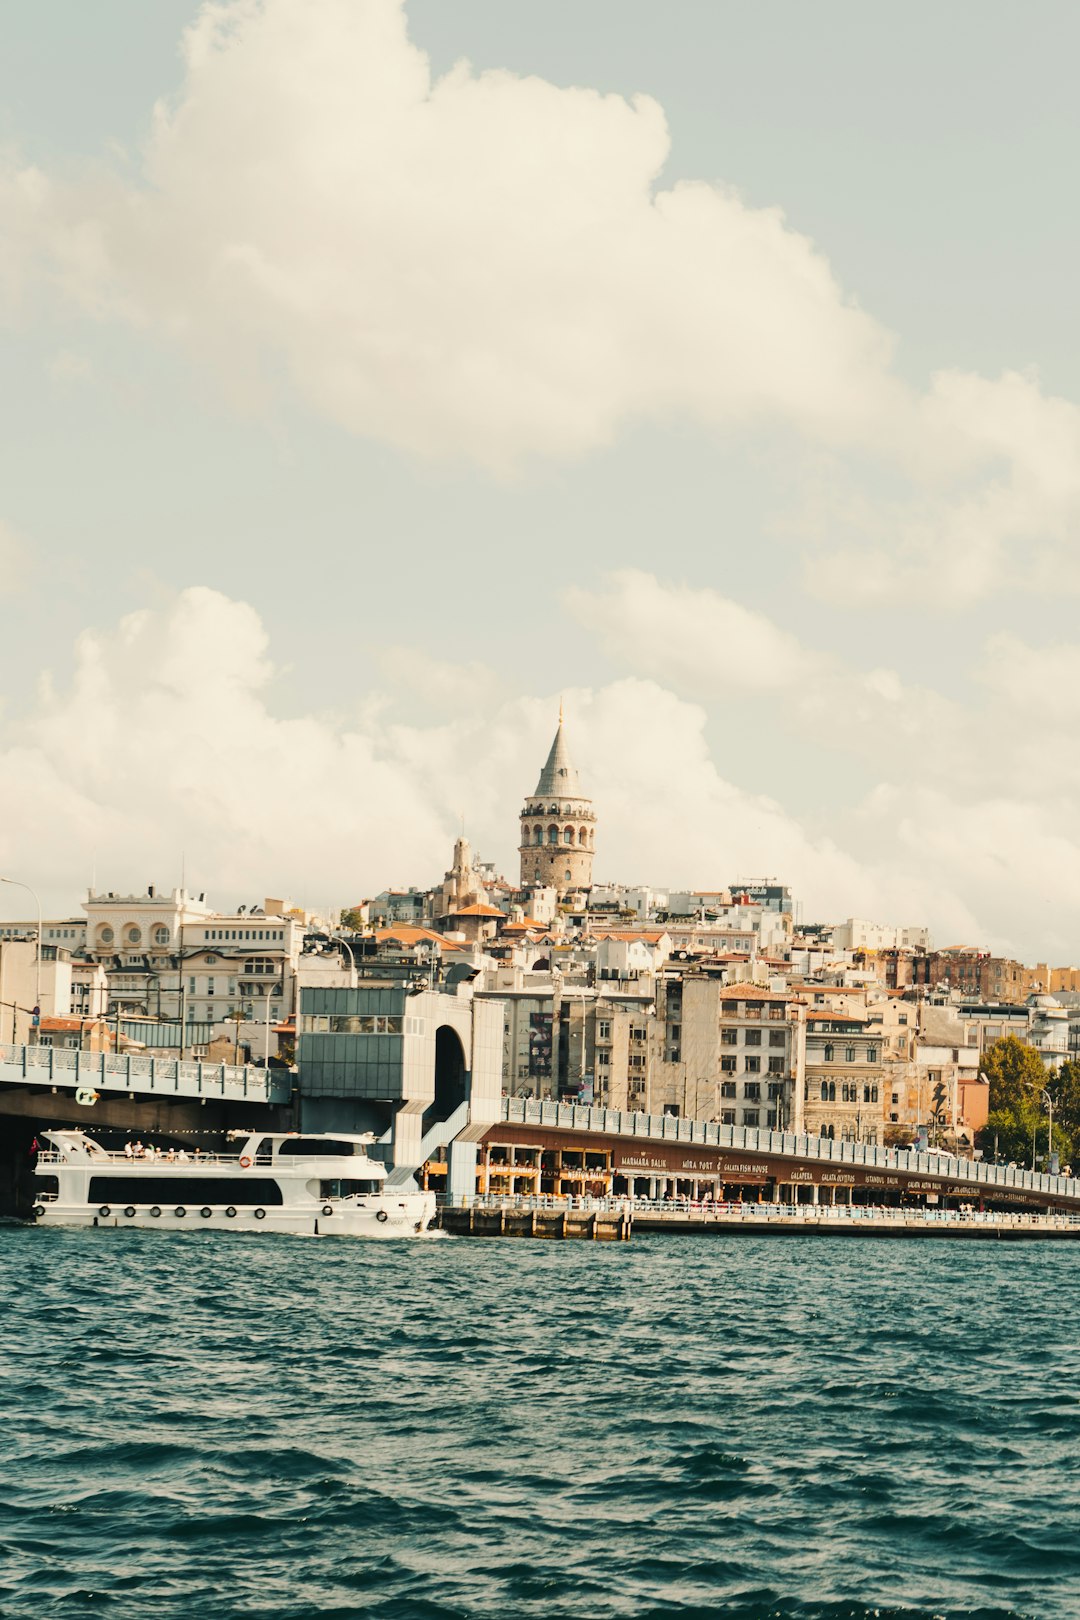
<point>1064,1088</point>
<point>1017,1080</point>
<point>1015,1072</point>
<point>352,917</point>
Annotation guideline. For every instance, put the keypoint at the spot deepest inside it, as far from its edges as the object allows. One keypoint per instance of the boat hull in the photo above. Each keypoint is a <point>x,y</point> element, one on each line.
<point>409,1215</point>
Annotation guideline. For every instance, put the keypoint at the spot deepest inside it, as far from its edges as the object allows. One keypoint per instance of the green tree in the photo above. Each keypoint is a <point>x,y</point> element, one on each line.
<point>1016,1075</point>
<point>1017,1080</point>
<point>1064,1088</point>
<point>352,917</point>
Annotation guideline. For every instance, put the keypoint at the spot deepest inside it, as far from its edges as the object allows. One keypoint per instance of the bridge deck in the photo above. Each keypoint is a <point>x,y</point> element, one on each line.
<point>141,1076</point>
<point>871,1165</point>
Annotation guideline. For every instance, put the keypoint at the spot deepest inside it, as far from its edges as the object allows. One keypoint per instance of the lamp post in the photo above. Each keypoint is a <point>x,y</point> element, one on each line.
<point>1049,1101</point>
<point>18,884</point>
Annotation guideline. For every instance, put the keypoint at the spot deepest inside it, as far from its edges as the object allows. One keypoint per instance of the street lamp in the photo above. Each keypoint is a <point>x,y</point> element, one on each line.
<point>18,884</point>
<point>1049,1101</point>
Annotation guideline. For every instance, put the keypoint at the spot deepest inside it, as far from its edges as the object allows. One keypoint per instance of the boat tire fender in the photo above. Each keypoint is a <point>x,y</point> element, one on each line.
<point>129,1211</point>
<point>106,1209</point>
<point>180,1212</point>
<point>328,1209</point>
<point>206,1212</point>
<point>155,1209</point>
<point>231,1211</point>
<point>381,1215</point>
<point>39,1209</point>
<point>259,1214</point>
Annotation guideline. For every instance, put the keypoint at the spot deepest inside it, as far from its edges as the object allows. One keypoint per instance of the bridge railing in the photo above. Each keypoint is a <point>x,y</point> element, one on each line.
<point>749,1138</point>
<point>112,1071</point>
<point>703,1210</point>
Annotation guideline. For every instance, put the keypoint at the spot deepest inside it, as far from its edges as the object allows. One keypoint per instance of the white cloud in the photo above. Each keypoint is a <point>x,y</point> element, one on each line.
<point>489,266</point>
<point>690,635</point>
<point>710,647</point>
<point>481,264</point>
<point>166,742</point>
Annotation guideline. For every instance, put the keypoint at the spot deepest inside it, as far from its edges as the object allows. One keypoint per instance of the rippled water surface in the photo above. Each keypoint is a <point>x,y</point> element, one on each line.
<point>811,1429</point>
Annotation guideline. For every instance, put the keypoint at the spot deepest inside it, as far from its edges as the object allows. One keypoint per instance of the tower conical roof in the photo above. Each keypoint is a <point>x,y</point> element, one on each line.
<point>559,777</point>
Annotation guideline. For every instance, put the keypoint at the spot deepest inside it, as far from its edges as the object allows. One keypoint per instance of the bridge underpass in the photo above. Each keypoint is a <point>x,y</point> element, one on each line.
<point>101,1093</point>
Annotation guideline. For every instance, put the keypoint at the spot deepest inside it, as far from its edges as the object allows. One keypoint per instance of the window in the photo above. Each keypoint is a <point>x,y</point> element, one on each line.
<point>568,835</point>
<point>895,1098</point>
<point>729,1037</point>
<point>828,1133</point>
<point>752,1091</point>
<point>849,1054</point>
<point>870,1094</point>
<point>727,1116</point>
<point>675,1055</point>
<point>636,1060</point>
<point>775,1090</point>
<point>730,1007</point>
<point>777,1037</point>
<point>106,936</point>
<point>871,1054</point>
<point>603,1060</point>
<point>603,1029</point>
<point>752,1037</point>
<point>828,1058</point>
<point>776,1065</point>
<point>727,1088</point>
<point>902,1018</point>
<point>751,1117</point>
<point>752,1065</point>
<point>727,1066</point>
<point>777,1011</point>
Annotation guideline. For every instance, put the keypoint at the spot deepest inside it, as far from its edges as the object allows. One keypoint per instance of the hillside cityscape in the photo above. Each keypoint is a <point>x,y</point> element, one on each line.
<point>722,1005</point>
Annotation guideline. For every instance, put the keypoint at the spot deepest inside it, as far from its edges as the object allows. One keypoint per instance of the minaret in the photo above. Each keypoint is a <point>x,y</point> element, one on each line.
<point>558,827</point>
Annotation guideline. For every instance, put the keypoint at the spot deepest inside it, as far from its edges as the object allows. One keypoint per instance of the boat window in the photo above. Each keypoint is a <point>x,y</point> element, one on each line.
<point>345,1189</point>
<point>218,1191</point>
<point>48,1184</point>
<point>316,1147</point>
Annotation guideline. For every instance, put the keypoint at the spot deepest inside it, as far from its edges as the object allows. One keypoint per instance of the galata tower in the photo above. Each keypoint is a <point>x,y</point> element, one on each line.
<point>558,827</point>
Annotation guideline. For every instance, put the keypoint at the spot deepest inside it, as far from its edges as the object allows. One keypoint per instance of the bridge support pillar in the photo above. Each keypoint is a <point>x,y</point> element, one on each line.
<point>460,1170</point>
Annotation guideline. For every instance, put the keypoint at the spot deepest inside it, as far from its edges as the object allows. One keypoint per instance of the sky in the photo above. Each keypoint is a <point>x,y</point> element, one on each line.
<point>374,374</point>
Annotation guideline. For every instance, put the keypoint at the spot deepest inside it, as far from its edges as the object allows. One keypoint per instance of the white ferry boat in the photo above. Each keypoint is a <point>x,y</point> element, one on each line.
<point>321,1185</point>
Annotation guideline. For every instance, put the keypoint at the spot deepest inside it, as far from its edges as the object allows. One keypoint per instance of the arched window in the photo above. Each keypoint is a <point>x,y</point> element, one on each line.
<point>568,835</point>
<point>553,835</point>
<point>538,835</point>
<point>828,1054</point>
<point>832,1090</point>
<point>582,835</point>
<point>824,1091</point>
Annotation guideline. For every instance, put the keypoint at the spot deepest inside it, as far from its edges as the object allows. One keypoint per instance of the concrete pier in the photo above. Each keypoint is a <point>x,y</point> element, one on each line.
<point>596,1226</point>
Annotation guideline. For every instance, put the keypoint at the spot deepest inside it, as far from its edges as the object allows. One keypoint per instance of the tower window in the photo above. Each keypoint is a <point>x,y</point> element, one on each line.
<point>568,835</point>
<point>581,836</point>
<point>553,835</point>
<point>538,835</point>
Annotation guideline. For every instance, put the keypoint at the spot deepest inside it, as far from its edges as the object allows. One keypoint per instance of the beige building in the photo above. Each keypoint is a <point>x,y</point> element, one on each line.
<point>731,1053</point>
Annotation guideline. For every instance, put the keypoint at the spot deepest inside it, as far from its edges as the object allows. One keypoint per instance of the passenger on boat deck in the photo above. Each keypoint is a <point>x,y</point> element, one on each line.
<point>138,1151</point>
<point>170,1153</point>
<point>129,1151</point>
<point>151,1151</point>
<point>182,1155</point>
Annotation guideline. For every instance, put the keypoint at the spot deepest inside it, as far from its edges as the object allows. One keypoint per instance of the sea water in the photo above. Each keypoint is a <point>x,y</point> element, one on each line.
<point>207,1426</point>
